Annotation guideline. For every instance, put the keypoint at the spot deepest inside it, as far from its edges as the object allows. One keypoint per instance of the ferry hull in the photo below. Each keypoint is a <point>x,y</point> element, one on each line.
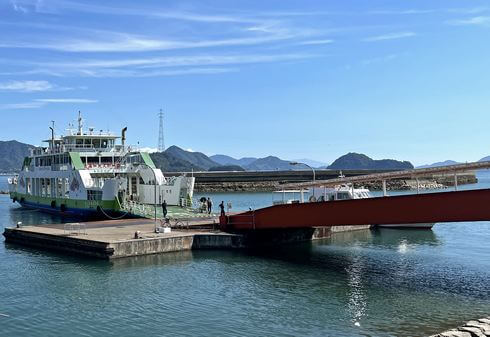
<point>455,206</point>
<point>44,205</point>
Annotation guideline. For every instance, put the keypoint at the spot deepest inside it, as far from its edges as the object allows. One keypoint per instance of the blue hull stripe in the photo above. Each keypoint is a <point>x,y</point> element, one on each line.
<point>70,212</point>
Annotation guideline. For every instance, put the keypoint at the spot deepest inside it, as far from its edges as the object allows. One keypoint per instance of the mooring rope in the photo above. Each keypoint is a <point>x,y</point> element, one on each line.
<point>113,218</point>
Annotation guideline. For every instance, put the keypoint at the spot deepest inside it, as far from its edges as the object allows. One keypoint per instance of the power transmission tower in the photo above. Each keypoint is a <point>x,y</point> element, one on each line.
<point>161,139</point>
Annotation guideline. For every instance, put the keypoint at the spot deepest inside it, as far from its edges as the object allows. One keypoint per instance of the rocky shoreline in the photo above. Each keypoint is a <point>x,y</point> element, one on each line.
<point>436,182</point>
<point>476,328</point>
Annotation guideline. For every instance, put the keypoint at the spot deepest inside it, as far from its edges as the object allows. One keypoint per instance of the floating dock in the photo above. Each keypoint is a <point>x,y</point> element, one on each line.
<point>121,238</point>
<point>112,239</point>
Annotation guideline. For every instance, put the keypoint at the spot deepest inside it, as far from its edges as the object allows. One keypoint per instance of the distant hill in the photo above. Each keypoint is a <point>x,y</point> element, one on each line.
<point>227,168</point>
<point>268,164</point>
<point>485,158</point>
<point>227,160</point>
<point>312,163</point>
<point>358,161</point>
<point>440,163</point>
<point>169,163</point>
<point>197,159</point>
<point>12,154</point>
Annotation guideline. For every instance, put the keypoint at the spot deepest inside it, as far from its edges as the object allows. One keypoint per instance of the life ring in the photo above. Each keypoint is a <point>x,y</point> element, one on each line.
<point>312,199</point>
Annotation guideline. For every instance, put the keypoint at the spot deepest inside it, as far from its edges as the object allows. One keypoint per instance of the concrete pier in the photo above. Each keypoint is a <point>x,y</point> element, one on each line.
<point>137,237</point>
<point>116,238</point>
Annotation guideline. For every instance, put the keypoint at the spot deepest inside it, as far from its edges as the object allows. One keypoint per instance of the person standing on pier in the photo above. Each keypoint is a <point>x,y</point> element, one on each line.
<point>222,207</point>
<point>210,205</point>
<point>164,208</point>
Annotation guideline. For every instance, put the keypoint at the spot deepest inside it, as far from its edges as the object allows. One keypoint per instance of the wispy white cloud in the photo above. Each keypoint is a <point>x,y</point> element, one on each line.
<point>148,149</point>
<point>38,103</point>
<point>18,7</point>
<point>316,42</point>
<point>26,86</point>
<point>26,105</point>
<point>61,6</point>
<point>66,100</point>
<point>391,36</point>
<point>122,42</point>
<point>474,21</point>
<point>159,66</point>
<point>414,11</point>
<point>473,10</point>
<point>401,12</point>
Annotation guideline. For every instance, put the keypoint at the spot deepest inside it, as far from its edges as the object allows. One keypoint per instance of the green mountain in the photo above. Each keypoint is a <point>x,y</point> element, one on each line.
<point>227,160</point>
<point>439,164</point>
<point>197,159</point>
<point>358,161</point>
<point>12,154</point>
<point>269,164</point>
<point>169,163</point>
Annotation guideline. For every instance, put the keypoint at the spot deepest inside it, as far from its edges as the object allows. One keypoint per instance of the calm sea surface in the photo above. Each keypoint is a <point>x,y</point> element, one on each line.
<point>368,283</point>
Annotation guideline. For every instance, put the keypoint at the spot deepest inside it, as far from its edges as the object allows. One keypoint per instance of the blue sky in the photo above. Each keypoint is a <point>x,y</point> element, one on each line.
<point>298,79</point>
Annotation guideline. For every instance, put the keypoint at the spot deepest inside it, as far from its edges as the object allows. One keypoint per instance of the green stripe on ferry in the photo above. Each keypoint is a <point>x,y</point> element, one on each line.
<point>107,205</point>
<point>76,161</point>
<point>147,159</point>
<point>27,162</point>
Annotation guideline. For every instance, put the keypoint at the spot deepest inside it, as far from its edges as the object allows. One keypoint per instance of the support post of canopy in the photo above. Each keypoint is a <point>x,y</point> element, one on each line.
<point>418,185</point>
<point>455,181</point>
<point>384,188</point>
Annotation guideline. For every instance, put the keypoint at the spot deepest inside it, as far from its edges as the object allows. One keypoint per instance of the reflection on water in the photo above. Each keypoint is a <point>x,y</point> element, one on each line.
<point>356,292</point>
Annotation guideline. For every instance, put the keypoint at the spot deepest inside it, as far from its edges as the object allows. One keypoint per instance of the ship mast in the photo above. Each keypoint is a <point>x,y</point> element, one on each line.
<point>80,123</point>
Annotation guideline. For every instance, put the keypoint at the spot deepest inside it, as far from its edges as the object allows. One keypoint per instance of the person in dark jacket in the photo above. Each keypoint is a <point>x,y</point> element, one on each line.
<point>222,207</point>
<point>164,208</point>
<point>210,205</point>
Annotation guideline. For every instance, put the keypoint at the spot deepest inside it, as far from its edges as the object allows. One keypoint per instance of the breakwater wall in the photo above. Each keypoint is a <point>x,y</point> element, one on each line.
<point>476,328</point>
<point>267,181</point>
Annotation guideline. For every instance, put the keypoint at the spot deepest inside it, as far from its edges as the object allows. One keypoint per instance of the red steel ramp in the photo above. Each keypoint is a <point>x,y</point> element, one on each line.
<point>457,206</point>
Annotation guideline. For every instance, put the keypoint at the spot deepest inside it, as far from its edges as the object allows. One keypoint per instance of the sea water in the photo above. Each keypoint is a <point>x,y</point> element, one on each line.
<point>384,282</point>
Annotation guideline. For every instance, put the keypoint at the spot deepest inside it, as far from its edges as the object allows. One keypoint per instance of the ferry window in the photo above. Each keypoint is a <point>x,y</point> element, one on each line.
<point>104,143</point>
<point>342,196</point>
<point>67,187</point>
<point>141,181</point>
<point>96,143</point>
<point>93,160</point>
<point>94,195</point>
<point>106,160</point>
<point>79,141</point>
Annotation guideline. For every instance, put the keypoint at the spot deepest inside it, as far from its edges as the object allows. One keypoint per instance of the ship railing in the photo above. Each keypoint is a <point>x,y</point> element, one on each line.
<point>75,228</point>
<point>137,208</point>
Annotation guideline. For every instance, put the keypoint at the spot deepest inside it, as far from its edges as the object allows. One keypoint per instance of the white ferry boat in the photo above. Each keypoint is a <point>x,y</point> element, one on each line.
<point>85,174</point>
